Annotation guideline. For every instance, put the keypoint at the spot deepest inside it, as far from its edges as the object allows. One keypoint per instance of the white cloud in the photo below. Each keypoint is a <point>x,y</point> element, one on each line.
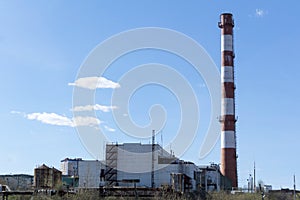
<point>259,12</point>
<point>50,118</point>
<point>59,120</point>
<point>86,121</point>
<point>109,129</point>
<point>15,112</point>
<point>94,82</point>
<point>93,107</point>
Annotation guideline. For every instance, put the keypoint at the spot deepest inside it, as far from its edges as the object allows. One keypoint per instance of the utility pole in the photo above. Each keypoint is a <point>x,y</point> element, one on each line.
<point>254,178</point>
<point>294,187</point>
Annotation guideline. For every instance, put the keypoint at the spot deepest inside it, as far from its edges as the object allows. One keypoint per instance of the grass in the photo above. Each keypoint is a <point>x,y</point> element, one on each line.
<point>191,196</point>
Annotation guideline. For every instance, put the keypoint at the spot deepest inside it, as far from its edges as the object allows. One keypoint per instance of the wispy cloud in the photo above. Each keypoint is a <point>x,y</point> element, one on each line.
<point>50,118</point>
<point>59,120</point>
<point>109,129</point>
<point>17,113</point>
<point>259,12</point>
<point>94,82</point>
<point>93,107</point>
<point>86,121</point>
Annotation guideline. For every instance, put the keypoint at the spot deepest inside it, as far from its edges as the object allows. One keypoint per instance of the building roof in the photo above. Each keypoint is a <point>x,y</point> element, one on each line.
<point>71,159</point>
<point>43,166</point>
<point>16,175</point>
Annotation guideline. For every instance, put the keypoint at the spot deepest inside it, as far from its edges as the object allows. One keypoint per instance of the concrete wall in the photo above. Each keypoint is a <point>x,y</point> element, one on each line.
<point>163,176</point>
<point>211,178</point>
<point>136,158</point>
<point>70,166</point>
<point>17,181</point>
<point>89,174</point>
<point>87,171</point>
<point>134,161</point>
<point>46,177</point>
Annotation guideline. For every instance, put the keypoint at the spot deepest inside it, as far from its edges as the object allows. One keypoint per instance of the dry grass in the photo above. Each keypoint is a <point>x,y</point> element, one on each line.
<point>192,196</point>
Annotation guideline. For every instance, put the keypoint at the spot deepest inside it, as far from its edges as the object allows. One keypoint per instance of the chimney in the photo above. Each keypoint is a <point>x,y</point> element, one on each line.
<point>228,120</point>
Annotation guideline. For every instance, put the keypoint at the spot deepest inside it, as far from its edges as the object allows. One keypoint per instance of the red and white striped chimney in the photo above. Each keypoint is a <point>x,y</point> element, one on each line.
<point>228,135</point>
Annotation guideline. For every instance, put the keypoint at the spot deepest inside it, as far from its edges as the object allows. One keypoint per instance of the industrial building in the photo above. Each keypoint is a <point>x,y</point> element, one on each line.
<point>167,168</point>
<point>211,178</point>
<point>17,181</point>
<point>82,173</point>
<point>46,177</point>
<point>149,164</point>
<point>142,166</point>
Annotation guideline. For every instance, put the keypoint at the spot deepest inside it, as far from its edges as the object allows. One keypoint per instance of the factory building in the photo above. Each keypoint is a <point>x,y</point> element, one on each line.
<point>211,178</point>
<point>82,173</point>
<point>149,165</point>
<point>46,177</point>
<point>137,158</point>
<point>17,181</point>
<point>143,166</point>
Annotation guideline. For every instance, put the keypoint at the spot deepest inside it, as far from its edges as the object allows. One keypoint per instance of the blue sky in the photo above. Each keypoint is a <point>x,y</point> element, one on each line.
<point>42,46</point>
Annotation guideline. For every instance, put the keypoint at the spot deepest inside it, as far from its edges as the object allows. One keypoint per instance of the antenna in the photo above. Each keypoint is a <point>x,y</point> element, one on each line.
<point>254,174</point>
<point>294,187</point>
<point>152,163</point>
<point>104,148</point>
<point>162,144</point>
<point>161,138</point>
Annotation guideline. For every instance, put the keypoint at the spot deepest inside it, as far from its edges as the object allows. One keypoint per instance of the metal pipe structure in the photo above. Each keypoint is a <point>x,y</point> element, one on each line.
<point>228,134</point>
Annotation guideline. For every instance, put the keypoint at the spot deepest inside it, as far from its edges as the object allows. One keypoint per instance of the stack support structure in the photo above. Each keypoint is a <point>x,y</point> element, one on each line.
<point>228,120</point>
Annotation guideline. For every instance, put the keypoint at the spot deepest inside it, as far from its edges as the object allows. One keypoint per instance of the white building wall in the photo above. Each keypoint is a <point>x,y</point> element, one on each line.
<point>133,158</point>
<point>163,175</point>
<point>70,166</point>
<point>135,162</point>
<point>89,173</point>
<point>137,158</point>
<point>64,168</point>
